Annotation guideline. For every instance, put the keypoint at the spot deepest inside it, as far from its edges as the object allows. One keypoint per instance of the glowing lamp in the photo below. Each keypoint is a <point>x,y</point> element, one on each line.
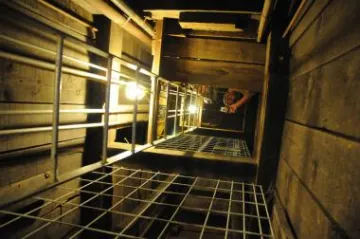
<point>192,109</point>
<point>134,91</point>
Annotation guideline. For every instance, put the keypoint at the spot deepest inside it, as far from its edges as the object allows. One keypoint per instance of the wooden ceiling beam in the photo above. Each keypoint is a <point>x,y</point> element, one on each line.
<point>158,14</point>
<point>211,49</point>
<point>239,5</point>
<point>222,34</point>
<point>215,73</point>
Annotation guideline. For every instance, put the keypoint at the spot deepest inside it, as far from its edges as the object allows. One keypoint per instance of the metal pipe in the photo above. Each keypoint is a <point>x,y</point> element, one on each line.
<point>176,109</point>
<point>136,18</point>
<point>195,114</point>
<point>120,60</point>
<point>264,19</point>
<point>26,112</point>
<point>49,66</point>
<point>190,103</point>
<point>39,149</point>
<point>152,119</point>
<point>107,108</point>
<point>166,110</point>
<point>48,128</point>
<point>133,134</point>
<point>183,109</point>
<point>74,111</point>
<point>56,105</point>
<point>295,17</point>
<point>25,44</point>
<point>156,109</point>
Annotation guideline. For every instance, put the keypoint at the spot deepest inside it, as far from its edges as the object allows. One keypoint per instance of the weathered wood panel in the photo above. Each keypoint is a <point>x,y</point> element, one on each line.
<point>222,74</point>
<point>328,96</point>
<point>328,165</point>
<point>209,49</point>
<point>317,177</point>
<point>308,14</point>
<point>307,219</point>
<point>280,224</point>
<point>335,32</point>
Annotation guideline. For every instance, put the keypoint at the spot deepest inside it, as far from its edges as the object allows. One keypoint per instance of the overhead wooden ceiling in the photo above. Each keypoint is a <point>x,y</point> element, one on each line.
<point>205,18</point>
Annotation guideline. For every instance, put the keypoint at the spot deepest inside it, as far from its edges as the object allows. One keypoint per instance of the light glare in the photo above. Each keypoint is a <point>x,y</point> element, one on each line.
<point>192,109</point>
<point>132,91</point>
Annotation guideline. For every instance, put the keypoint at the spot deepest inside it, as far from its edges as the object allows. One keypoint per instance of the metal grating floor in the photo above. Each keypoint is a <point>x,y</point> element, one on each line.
<point>207,144</point>
<point>145,204</point>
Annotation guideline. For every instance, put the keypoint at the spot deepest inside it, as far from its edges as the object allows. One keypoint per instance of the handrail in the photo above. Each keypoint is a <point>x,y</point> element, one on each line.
<point>108,79</point>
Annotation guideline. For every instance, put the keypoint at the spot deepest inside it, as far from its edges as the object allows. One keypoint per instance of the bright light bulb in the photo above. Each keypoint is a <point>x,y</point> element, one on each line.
<point>192,109</point>
<point>133,91</point>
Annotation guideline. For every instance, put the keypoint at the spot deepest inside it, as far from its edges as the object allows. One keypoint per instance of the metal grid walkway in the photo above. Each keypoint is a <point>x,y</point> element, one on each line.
<point>207,144</point>
<point>146,204</point>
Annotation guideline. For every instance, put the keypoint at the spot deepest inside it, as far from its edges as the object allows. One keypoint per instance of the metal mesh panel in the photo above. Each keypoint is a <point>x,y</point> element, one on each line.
<point>146,204</point>
<point>207,144</point>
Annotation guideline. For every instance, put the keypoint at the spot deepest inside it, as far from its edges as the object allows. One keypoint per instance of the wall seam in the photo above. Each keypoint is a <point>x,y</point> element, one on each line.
<point>327,131</point>
<point>311,22</point>
<point>335,225</point>
<point>343,54</point>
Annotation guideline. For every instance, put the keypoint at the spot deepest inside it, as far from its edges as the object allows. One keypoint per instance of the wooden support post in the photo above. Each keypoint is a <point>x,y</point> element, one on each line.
<point>152,111</point>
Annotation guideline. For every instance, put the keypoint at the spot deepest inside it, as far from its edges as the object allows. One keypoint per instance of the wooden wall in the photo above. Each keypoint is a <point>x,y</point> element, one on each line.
<point>318,176</point>
<point>25,87</point>
<point>222,63</point>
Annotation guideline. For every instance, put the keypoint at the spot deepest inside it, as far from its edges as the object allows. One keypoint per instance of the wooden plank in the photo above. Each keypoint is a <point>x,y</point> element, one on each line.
<point>328,165</point>
<point>22,188</point>
<point>262,108</point>
<point>308,15</point>
<point>157,46</point>
<point>328,96</point>
<point>306,217</point>
<point>221,74</point>
<point>234,22</point>
<point>222,34</point>
<point>280,224</point>
<point>210,49</point>
<point>326,40</point>
<point>254,6</point>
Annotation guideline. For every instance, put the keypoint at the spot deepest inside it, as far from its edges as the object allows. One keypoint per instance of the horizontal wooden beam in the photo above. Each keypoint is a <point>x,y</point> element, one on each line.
<point>239,5</point>
<point>210,49</point>
<point>215,73</point>
<point>159,14</point>
<point>220,22</point>
<point>221,34</point>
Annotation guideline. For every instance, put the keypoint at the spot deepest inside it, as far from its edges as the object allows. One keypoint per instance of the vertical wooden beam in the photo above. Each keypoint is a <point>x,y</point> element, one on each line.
<point>274,100</point>
<point>156,51</point>
<point>157,45</point>
<point>152,110</point>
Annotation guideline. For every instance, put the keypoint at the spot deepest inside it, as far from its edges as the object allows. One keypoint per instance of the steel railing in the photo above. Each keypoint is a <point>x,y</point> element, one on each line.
<point>111,77</point>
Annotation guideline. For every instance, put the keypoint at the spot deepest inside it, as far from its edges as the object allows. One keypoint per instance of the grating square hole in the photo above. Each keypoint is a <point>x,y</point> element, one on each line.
<point>190,216</point>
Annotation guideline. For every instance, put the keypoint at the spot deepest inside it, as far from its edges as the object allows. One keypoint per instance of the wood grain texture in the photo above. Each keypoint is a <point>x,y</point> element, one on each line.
<point>328,96</point>
<point>306,217</point>
<point>209,49</point>
<point>328,165</point>
<point>221,74</point>
<point>336,31</point>
<point>280,224</point>
<point>308,15</point>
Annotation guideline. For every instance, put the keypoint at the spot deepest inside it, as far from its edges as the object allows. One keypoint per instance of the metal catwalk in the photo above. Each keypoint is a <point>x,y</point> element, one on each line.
<point>147,204</point>
<point>207,144</point>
